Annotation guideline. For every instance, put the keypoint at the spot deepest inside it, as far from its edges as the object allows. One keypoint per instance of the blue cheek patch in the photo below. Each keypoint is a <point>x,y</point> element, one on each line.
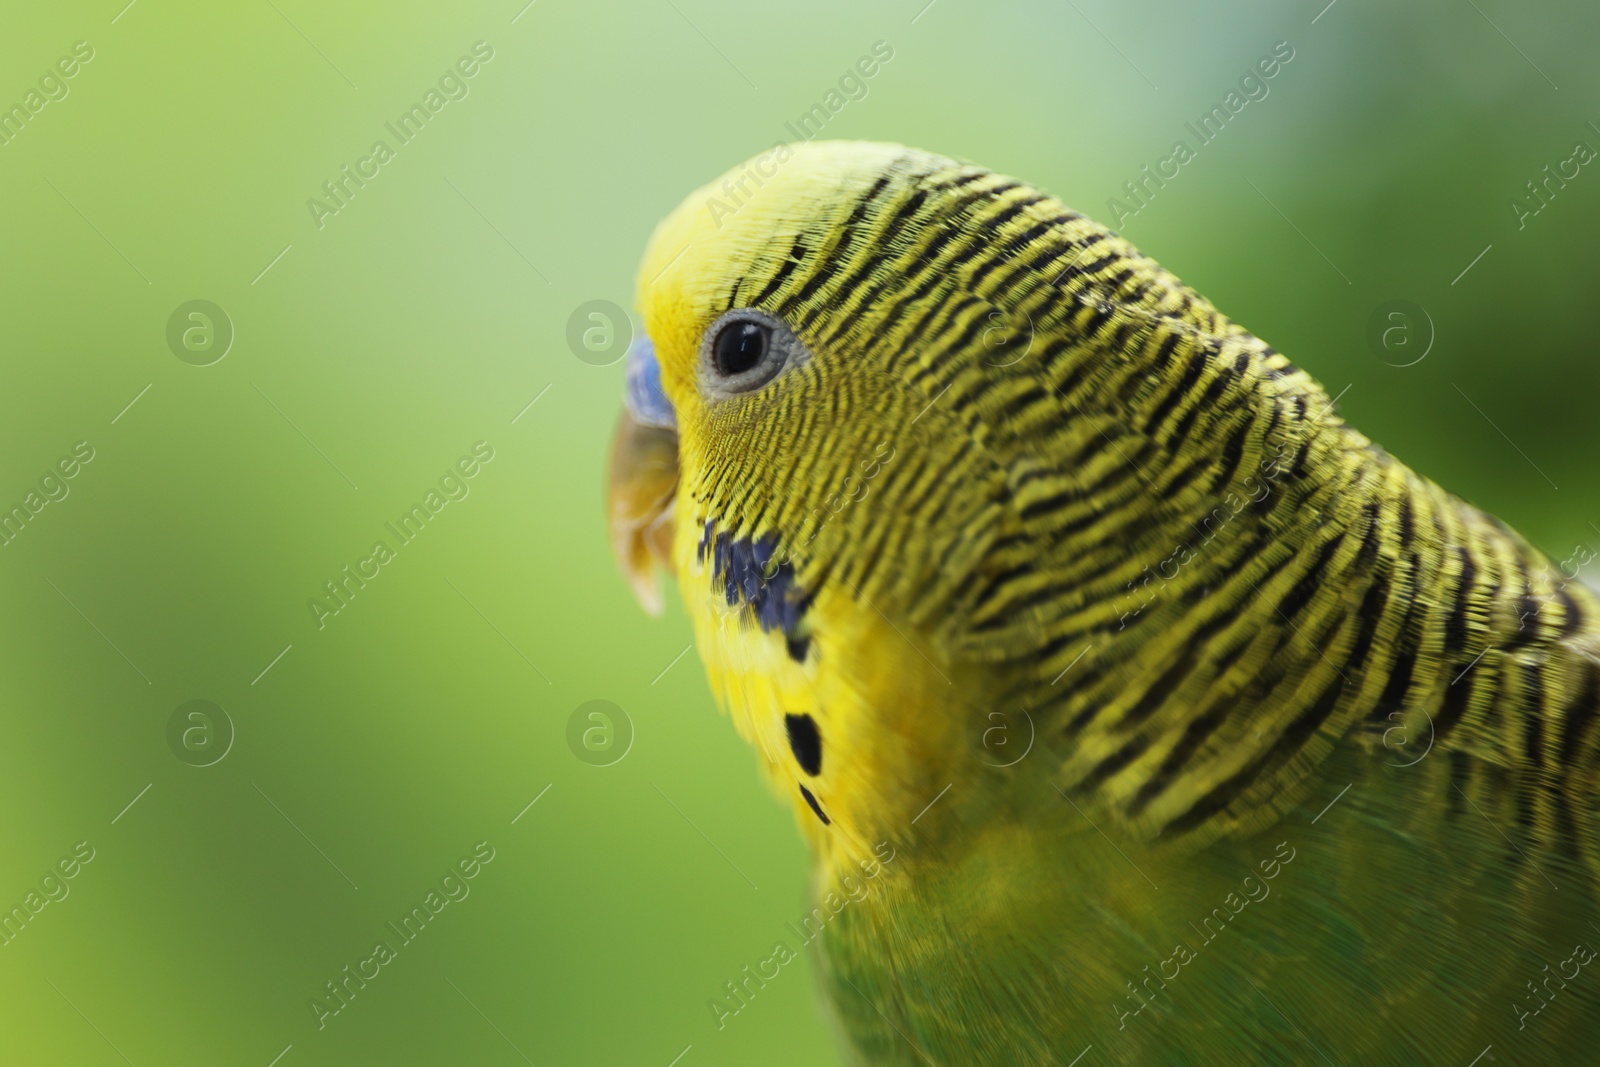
<point>646,402</point>
<point>745,573</point>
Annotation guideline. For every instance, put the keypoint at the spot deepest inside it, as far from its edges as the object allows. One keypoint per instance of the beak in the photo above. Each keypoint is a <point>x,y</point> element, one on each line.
<point>642,480</point>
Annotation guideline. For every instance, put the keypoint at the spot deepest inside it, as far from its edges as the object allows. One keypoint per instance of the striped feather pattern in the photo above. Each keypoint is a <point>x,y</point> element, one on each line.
<point>1108,505</point>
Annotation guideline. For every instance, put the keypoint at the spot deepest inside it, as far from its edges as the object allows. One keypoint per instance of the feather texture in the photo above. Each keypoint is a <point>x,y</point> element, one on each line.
<point>1027,481</point>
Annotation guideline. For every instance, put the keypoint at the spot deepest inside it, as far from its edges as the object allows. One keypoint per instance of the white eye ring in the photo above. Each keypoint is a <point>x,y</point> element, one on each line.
<point>745,349</point>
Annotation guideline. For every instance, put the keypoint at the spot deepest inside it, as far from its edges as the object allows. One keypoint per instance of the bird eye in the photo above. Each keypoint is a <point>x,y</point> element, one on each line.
<point>744,350</point>
<point>739,346</point>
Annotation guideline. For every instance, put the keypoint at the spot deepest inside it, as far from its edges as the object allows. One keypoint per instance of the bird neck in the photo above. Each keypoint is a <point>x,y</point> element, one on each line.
<point>1277,580</point>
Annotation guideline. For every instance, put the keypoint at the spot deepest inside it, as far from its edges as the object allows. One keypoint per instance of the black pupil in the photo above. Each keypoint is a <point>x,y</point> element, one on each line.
<point>739,347</point>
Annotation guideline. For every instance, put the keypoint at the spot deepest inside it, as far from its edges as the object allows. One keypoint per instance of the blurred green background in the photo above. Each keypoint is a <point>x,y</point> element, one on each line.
<point>371,352</point>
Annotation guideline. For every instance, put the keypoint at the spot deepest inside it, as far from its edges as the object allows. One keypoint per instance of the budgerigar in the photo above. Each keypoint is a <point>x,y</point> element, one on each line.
<point>1136,709</point>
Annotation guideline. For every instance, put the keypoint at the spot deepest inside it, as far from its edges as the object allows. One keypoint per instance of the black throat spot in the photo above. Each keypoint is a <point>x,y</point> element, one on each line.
<point>815,806</point>
<point>805,741</point>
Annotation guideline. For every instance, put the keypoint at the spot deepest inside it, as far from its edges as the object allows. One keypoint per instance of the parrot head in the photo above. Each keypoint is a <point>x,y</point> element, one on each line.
<point>716,346</point>
<point>908,433</point>
<point>792,309</point>
<point>777,450</point>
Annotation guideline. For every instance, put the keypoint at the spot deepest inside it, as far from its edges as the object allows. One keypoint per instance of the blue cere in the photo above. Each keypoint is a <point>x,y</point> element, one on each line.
<point>646,402</point>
